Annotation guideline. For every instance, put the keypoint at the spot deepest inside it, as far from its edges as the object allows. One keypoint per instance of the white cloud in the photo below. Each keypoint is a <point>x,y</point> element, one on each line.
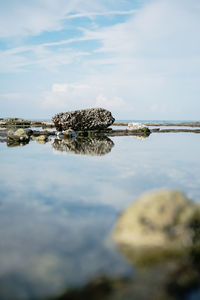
<point>113,103</point>
<point>20,59</point>
<point>34,17</point>
<point>80,95</point>
<point>134,67</point>
<point>104,13</point>
<point>160,29</point>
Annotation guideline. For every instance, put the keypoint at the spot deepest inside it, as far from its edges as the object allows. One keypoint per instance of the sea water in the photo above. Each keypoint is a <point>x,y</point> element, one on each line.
<point>58,207</point>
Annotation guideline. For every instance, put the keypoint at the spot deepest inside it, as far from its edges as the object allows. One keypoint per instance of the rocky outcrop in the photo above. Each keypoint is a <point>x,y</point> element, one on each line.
<point>85,119</point>
<point>95,146</point>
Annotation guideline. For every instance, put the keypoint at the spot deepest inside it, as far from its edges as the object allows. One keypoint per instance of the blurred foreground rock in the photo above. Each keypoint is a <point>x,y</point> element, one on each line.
<point>85,119</point>
<point>160,235</point>
<point>163,219</point>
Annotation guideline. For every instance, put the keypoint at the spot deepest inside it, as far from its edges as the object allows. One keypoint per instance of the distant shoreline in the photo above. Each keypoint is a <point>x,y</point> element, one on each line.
<point>183,124</point>
<point>48,123</point>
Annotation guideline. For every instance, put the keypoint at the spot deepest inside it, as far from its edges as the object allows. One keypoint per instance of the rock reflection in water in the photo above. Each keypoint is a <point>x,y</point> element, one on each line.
<point>95,146</point>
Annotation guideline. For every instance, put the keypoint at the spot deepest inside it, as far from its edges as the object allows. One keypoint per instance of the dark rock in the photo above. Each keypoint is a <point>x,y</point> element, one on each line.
<point>89,146</point>
<point>13,143</point>
<point>143,133</point>
<point>29,132</point>
<point>85,119</point>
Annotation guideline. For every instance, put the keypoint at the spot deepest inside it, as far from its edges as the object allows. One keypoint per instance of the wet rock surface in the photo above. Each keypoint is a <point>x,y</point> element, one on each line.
<point>85,119</point>
<point>142,132</point>
<point>175,130</point>
<point>22,136</point>
<point>95,146</point>
<point>18,136</point>
<point>181,124</point>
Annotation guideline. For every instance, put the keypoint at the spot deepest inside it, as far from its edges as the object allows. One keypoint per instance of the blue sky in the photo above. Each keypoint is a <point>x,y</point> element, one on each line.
<point>138,58</point>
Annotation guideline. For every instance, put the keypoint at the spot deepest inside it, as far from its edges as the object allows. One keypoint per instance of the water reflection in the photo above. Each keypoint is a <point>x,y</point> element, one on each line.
<point>160,235</point>
<point>95,146</point>
<point>16,143</point>
<point>57,212</point>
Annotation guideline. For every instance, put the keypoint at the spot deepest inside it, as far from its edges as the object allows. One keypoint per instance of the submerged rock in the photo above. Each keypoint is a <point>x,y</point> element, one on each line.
<point>84,145</point>
<point>85,119</point>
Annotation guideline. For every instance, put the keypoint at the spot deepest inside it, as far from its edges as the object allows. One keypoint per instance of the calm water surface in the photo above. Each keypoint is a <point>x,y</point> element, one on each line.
<point>58,208</point>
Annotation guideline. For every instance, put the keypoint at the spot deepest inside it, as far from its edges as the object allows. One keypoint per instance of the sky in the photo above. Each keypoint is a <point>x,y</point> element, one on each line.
<point>140,59</point>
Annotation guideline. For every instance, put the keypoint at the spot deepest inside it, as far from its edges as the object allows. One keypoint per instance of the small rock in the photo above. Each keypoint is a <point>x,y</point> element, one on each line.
<point>42,139</point>
<point>20,132</point>
<point>19,136</point>
<point>132,126</point>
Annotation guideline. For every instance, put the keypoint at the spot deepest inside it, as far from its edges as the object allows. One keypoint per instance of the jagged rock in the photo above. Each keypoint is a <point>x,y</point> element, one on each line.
<point>84,145</point>
<point>85,119</point>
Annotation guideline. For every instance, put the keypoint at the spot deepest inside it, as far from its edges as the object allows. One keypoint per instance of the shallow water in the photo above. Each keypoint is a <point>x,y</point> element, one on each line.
<point>57,208</point>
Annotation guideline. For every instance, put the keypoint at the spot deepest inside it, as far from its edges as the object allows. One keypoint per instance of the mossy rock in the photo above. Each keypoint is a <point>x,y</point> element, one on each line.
<point>18,123</point>
<point>158,225</point>
<point>20,132</point>
<point>19,136</point>
<point>42,139</point>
